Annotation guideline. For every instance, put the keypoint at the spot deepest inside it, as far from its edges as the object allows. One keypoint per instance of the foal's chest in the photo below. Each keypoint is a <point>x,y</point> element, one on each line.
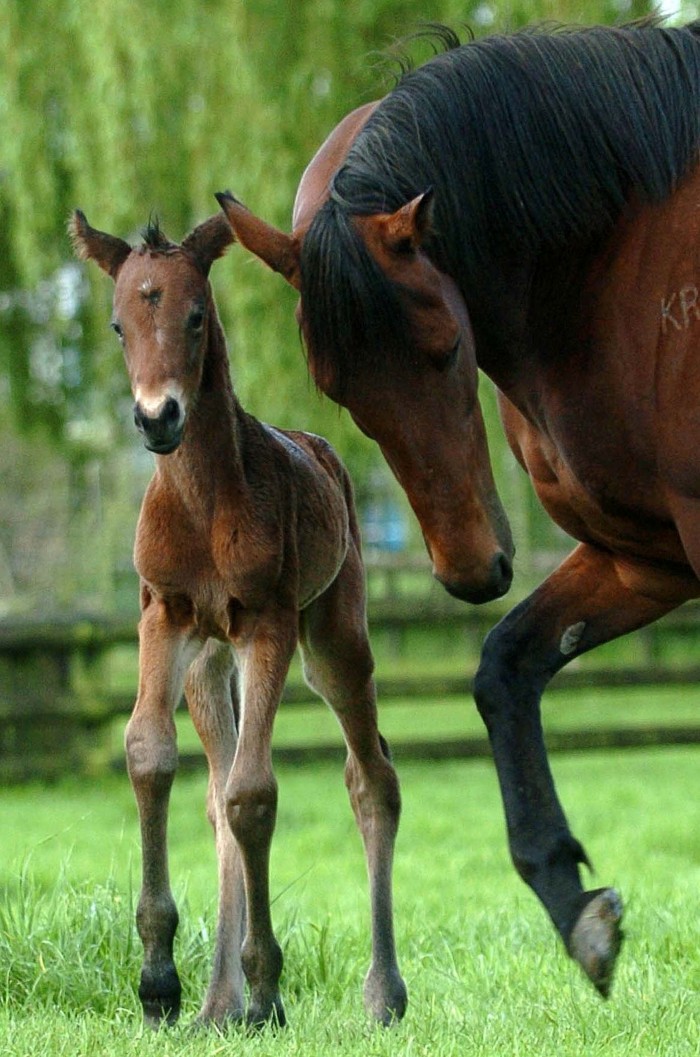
<point>280,545</point>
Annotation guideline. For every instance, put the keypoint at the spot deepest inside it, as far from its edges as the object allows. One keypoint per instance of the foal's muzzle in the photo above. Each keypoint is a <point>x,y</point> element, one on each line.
<point>162,431</point>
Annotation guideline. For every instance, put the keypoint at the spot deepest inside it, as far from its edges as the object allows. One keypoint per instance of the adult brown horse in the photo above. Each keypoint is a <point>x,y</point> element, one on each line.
<point>527,203</point>
<point>247,543</point>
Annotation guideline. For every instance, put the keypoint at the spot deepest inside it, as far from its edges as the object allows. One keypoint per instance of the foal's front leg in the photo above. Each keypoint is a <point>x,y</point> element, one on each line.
<point>251,803</point>
<point>214,714</point>
<point>165,650</point>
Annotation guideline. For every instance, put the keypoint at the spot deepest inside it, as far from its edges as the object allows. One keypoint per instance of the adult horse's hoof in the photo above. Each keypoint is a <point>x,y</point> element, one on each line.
<point>596,937</point>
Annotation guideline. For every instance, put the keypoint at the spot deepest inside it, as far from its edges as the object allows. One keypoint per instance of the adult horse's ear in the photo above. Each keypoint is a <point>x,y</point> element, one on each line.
<point>406,229</point>
<point>208,241</point>
<point>278,251</point>
<point>106,250</point>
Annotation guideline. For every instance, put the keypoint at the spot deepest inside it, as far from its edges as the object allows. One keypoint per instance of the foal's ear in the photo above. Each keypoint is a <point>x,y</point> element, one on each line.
<point>407,228</point>
<point>208,241</point>
<point>89,244</point>
<point>279,251</point>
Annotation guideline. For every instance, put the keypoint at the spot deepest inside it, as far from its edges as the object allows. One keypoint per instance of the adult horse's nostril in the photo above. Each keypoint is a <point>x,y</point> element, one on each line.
<point>501,574</point>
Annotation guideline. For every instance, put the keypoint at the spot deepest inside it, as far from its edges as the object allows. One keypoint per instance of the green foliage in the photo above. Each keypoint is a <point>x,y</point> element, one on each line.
<point>125,109</point>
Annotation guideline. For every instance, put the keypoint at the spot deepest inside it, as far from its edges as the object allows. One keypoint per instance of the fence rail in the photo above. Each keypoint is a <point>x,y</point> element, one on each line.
<point>56,698</point>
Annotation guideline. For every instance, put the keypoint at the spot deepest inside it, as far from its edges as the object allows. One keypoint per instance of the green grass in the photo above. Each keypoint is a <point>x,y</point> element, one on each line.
<point>484,970</point>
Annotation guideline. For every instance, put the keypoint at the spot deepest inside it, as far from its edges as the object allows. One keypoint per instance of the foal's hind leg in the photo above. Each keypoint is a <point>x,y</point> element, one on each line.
<point>338,664</point>
<point>589,600</point>
<point>165,650</point>
<point>213,710</point>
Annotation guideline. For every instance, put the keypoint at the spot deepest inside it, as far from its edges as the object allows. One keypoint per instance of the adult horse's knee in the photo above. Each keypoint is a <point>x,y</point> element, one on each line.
<point>494,674</point>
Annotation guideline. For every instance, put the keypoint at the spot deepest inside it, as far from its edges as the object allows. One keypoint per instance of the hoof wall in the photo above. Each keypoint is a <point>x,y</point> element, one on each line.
<point>597,936</point>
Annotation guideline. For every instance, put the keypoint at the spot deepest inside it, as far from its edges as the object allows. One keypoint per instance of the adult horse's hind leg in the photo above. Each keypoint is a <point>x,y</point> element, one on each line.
<point>590,599</point>
<point>165,651</point>
<point>208,689</point>
<point>338,664</point>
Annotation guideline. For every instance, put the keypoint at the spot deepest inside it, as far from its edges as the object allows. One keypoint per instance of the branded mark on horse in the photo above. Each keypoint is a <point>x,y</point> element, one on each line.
<point>247,543</point>
<point>526,204</point>
<point>680,309</point>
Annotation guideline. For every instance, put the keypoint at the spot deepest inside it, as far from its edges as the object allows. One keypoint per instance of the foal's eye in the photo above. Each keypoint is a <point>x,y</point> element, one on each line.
<point>195,321</point>
<point>117,328</point>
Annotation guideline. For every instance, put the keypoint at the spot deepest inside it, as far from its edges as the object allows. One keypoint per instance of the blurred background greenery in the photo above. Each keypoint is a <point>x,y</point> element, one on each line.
<point>128,109</point>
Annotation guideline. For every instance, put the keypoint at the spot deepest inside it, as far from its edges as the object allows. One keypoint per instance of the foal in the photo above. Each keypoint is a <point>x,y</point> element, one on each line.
<point>247,544</point>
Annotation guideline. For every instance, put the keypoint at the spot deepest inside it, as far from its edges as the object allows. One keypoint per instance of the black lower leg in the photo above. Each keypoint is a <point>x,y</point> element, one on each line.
<point>545,853</point>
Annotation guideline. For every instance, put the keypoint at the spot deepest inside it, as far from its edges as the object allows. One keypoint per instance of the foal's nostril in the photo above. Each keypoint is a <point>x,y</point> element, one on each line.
<point>140,418</point>
<point>167,417</point>
<point>162,430</point>
<point>171,412</point>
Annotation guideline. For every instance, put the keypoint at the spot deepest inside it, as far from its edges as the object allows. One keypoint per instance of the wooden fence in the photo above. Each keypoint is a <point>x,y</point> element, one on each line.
<point>58,697</point>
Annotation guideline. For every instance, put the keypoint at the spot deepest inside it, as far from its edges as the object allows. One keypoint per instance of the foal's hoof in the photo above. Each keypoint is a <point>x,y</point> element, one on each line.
<point>160,998</point>
<point>596,937</point>
<point>385,998</point>
<point>218,1018</point>
<point>271,1015</point>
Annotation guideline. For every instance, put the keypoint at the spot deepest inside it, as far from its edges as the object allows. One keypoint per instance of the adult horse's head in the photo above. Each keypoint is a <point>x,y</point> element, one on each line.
<point>161,310</point>
<point>388,337</point>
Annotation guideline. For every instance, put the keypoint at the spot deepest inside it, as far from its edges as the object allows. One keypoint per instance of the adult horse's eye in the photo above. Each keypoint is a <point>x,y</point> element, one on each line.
<point>117,328</point>
<point>405,247</point>
<point>445,360</point>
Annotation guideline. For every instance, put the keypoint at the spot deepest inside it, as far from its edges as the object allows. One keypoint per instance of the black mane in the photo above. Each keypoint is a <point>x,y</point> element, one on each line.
<point>529,141</point>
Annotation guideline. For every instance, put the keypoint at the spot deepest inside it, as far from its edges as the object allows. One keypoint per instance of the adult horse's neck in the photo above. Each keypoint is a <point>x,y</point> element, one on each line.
<point>528,313</point>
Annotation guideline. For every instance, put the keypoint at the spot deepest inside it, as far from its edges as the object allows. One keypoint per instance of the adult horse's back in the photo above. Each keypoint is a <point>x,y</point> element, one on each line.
<point>530,202</point>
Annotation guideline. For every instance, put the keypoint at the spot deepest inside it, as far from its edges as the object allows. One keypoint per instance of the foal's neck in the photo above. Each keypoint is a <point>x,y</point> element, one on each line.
<point>208,467</point>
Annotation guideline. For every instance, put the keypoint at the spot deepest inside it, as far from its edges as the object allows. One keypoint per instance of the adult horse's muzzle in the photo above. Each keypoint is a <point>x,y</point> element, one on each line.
<point>496,584</point>
<point>162,432</point>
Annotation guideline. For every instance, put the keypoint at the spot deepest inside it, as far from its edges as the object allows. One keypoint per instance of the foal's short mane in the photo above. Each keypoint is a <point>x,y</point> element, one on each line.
<point>529,141</point>
<point>154,238</point>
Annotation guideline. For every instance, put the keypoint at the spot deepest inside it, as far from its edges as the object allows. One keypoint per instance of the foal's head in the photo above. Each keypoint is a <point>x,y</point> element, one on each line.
<point>162,310</point>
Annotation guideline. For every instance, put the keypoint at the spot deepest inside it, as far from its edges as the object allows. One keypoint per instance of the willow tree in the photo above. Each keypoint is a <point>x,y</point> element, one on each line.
<point>126,109</point>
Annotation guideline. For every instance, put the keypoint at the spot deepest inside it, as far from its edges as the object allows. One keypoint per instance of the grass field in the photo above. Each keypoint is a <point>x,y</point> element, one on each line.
<point>484,970</point>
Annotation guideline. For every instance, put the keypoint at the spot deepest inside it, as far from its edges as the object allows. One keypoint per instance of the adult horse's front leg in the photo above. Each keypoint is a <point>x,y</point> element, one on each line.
<point>590,599</point>
<point>338,664</point>
<point>251,803</point>
<point>165,650</point>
